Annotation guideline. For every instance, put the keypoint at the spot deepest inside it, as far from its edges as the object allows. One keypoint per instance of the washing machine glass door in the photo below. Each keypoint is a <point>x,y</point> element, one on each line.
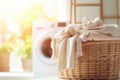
<point>46,48</point>
<point>43,47</point>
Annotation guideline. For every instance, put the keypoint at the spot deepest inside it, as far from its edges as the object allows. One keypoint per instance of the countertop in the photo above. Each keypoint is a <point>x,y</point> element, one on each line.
<point>49,78</point>
<point>16,76</point>
<point>22,76</point>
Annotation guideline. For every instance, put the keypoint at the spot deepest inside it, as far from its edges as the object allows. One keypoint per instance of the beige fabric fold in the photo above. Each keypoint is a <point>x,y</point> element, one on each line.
<point>74,49</point>
<point>59,50</point>
<point>62,51</point>
<point>54,49</point>
<point>78,47</point>
<point>71,51</point>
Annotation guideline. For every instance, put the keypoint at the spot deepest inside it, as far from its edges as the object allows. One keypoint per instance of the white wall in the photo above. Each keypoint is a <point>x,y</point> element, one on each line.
<point>109,9</point>
<point>86,11</point>
<point>63,10</point>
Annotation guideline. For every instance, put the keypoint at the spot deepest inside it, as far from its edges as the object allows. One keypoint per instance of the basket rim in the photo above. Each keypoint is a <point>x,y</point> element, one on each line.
<point>100,41</point>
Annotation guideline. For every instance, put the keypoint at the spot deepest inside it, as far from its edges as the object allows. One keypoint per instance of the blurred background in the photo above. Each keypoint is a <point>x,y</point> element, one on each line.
<point>16,18</point>
<point>19,18</point>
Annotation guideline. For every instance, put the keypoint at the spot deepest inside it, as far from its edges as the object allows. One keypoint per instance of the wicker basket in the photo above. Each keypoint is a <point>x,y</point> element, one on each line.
<point>100,61</point>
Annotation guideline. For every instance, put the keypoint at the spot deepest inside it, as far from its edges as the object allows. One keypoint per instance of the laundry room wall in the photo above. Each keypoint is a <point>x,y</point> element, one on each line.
<point>108,10</point>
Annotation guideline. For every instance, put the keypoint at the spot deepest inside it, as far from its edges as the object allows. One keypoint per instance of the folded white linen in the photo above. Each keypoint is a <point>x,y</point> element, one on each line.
<point>67,43</point>
<point>87,24</point>
<point>111,30</point>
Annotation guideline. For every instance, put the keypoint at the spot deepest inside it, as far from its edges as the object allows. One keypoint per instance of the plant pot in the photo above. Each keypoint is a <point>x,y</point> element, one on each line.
<point>27,65</point>
<point>4,62</point>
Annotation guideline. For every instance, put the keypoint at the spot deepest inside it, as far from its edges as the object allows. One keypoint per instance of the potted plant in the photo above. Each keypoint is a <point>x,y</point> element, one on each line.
<point>5,50</point>
<point>25,52</point>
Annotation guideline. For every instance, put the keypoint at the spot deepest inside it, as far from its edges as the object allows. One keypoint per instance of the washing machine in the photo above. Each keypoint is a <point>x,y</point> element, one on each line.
<point>43,65</point>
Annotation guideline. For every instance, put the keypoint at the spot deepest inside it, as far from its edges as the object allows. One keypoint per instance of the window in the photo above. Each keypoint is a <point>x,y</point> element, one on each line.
<point>16,17</point>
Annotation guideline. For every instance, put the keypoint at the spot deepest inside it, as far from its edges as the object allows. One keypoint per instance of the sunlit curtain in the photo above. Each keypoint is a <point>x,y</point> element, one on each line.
<point>57,8</point>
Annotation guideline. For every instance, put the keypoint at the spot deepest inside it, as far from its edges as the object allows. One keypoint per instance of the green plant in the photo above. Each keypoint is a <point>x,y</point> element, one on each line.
<point>25,48</point>
<point>6,48</point>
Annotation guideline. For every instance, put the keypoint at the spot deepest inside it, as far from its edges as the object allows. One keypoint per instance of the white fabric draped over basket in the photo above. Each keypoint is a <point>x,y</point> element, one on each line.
<point>67,43</point>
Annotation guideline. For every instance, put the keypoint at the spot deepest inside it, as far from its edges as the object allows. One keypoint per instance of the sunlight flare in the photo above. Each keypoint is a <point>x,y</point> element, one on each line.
<point>13,26</point>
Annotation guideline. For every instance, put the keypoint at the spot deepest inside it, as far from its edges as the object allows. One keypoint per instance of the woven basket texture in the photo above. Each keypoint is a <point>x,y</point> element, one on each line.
<point>100,61</point>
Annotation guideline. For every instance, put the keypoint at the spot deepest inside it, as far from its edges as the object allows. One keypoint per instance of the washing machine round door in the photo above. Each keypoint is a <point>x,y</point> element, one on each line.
<point>43,46</point>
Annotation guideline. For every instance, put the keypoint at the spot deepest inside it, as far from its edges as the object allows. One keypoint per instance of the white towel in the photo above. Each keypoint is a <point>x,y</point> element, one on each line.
<point>62,51</point>
<point>71,50</point>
